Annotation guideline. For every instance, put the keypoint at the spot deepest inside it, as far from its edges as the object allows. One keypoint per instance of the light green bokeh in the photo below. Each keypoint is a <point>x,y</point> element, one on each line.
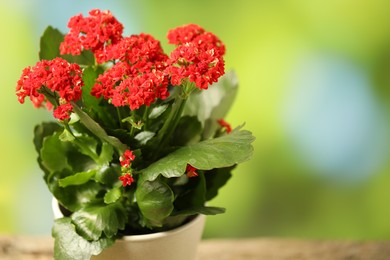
<point>17,155</point>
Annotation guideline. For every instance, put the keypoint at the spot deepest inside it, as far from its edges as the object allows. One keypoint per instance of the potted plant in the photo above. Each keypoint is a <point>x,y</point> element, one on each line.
<point>139,144</point>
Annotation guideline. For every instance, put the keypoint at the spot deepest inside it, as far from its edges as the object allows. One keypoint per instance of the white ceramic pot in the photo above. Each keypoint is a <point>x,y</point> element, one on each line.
<point>177,244</point>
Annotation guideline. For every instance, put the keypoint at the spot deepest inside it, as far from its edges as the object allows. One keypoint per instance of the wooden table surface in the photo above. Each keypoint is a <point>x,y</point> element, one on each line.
<point>40,248</point>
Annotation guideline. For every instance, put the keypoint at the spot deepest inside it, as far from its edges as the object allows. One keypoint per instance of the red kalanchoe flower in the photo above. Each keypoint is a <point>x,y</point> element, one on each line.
<point>127,158</point>
<point>94,33</point>
<point>126,179</point>
<point>184,34</point>
<point>30,82</point>
<point>141,51</point>
<point>197,58</point>
<point>138,78</point>
<point>209,39</point>
<point>63,112</point>
<point>107,81</point>
<point>195,33</point>
<point>191,171</point>
<point>225,125</point>
<point>55,76</point>
<point>124,87</point>
<point>140,90</point>
<point>195,63</point>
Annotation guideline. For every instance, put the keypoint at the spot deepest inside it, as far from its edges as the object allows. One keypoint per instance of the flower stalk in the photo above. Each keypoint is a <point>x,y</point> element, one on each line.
<point>97,130</point>
<point>169,126</point>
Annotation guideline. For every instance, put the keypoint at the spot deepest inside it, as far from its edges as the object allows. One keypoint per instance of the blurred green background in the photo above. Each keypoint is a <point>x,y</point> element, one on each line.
<point>314,89</point>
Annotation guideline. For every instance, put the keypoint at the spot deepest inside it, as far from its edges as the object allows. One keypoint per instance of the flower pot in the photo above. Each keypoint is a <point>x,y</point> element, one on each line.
<point>177,244</point>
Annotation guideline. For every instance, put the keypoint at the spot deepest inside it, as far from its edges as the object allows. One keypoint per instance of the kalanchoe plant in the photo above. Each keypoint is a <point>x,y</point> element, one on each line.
<point>139,143</point>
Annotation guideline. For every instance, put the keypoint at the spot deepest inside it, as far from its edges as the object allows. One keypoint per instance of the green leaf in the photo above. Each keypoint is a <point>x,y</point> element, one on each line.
<point>60,160</point>
<point>214,103</point>
<point>90,75</point>
<point>106,154</point>
<point>87,145</point>
<point>85,58</point>
<point>144,136</point>
<point>66,136</point>
<point>69,245</point>
<point>43,130</point>
<point>50,48</point>
<point>50,44</point>
<point>157,111</point>
<point>54,153</point>
<point>93,105</point>
<point>74,118</point>
<point>95,219</point>
<point>224,151</point>
<point>155,201</point>
<point>112,195</point>
<point>77,179</point>
<point>108,174</point>
<point>74,197</point>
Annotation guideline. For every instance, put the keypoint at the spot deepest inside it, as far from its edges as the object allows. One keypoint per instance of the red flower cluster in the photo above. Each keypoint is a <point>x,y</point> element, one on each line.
<point>62,112</point>
<point>125,160</point>
<point>126,179</point>
<point>62,79</point>
<point>198,56</point>
<point>142,51</point>
<point>94,33</point>
<point>138,78</point>
<point>184,34</point>
<point>195,33</point>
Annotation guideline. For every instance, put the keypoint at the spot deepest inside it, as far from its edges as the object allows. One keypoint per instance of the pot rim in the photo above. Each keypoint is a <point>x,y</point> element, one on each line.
<point>198,218</point>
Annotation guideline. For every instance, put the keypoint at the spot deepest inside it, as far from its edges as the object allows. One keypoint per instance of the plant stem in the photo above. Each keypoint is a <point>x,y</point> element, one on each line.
<point>145,117</point>
<point>166,132</point>
<point>132,130</point>
<point>118,112</point>
<point>169,126</point>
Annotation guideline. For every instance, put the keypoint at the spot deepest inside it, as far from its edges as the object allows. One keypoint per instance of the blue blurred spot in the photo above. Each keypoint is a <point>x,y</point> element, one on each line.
<point>333,120</point>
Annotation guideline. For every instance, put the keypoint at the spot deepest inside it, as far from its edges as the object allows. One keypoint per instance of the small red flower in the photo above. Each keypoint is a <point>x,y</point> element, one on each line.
<point>63,112</point>
<point>137,78</point>
<point>225,125</point>
<point>198,56</point>
<point>141,51</point>
<point>183,34</point>
<point>125,85</point>
<point>127,158</point>
<point>191,171</point>
<point>195,33</point>
<point>126,179</point>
